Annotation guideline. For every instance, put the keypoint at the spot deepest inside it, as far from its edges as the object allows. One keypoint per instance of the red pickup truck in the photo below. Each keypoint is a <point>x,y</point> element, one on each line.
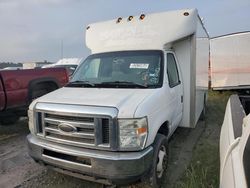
<point>19,87</point>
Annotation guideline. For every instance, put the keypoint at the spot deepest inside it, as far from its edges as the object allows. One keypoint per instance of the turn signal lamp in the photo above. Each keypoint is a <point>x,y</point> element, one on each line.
<point>141,130</point>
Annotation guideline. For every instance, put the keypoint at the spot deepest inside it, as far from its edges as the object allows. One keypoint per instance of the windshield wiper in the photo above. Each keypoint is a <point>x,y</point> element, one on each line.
<point>124,83</point>
<point>80,83</point>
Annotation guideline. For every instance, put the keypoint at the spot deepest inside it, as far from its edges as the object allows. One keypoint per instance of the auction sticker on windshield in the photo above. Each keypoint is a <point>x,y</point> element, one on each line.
<point>138,66</point>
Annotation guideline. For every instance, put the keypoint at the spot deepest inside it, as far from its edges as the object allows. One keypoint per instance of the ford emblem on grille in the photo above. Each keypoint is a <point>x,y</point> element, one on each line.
<point>67,128</point>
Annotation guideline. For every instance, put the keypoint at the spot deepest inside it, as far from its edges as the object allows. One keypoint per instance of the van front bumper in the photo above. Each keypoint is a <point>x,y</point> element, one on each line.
<point>90,164</point>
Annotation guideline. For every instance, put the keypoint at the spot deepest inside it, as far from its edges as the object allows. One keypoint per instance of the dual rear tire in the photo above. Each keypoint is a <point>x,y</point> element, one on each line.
<point>203,113</point>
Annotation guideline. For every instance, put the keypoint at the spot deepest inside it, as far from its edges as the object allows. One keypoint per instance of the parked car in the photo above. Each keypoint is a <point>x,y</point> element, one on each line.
<point>146,76</point>
<point>19,87</point>
<point>69,63</point>
<point>12,68</point>
<point>235,144</point>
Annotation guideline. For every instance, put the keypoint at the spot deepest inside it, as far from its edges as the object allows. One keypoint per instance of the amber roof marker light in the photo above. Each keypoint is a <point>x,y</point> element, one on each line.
<point>130,18</point>
<point>119,20</point>
<point>186,14</point>
<point>142,16</point>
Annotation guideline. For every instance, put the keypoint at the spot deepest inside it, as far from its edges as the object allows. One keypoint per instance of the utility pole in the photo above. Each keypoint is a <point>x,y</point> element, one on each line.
<point>62,49</point>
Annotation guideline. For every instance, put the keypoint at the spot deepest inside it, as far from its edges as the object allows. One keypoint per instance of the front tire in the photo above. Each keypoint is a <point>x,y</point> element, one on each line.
<point>160,161</point>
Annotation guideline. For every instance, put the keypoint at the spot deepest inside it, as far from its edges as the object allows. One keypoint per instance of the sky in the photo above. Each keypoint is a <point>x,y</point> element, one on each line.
<point>36,30</point>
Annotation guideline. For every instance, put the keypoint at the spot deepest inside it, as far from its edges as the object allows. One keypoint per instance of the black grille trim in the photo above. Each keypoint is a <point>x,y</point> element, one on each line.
<point>70,118</point>
<point>39,126</point>
<point>70,158</point>
<point>105,131</point>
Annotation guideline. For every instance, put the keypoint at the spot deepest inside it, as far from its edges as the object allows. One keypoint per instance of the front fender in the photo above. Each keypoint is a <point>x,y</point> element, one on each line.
<point>156,108</point>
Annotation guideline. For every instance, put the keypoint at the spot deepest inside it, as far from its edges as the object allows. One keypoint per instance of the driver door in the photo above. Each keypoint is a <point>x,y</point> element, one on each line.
<point>175,90</point>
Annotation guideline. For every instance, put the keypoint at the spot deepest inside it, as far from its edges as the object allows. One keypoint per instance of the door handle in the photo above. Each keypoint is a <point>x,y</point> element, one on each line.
<point>182,99</point>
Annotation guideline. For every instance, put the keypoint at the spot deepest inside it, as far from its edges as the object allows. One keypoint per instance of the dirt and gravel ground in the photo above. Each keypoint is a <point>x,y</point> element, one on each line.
<point>194,159</point>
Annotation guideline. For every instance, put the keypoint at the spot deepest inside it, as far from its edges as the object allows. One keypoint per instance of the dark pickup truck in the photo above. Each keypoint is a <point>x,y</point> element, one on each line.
<point>19,87</point>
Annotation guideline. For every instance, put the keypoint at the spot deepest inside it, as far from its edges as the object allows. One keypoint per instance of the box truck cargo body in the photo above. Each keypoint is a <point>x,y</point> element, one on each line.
<point>230,61</point>
<point>146,76</point>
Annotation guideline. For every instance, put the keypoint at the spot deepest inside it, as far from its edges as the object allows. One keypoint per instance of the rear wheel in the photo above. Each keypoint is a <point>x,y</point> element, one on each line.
<point>203,113</point>
<point>160,161</point>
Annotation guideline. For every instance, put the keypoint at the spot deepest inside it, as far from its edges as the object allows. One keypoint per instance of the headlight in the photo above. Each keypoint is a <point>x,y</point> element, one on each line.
<point>31,121</point>
<point>133,133</point>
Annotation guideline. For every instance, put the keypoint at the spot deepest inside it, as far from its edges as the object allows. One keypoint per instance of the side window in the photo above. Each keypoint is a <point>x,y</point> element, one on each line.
<point>172,71</point>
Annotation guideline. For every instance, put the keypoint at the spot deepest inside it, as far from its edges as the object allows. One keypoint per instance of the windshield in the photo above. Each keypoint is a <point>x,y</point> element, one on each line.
<point>126,69</point>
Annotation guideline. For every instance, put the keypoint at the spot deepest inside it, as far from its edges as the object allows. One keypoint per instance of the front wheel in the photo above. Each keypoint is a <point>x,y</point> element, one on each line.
<point>160,161</point>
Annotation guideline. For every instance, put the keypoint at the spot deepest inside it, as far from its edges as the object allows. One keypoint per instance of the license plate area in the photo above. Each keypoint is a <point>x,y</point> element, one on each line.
<point>67,158</point>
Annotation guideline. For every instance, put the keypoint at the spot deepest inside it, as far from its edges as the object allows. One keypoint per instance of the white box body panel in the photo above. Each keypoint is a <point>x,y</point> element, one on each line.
<point>153,32</point>
<point>230,61</point>
<point>202,61</point>
<point>193,58</point>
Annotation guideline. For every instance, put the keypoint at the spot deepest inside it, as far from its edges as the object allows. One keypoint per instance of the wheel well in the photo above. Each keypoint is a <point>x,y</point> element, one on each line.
<point>164,129</point>
<point>41,88</point>
<point>47,85</point>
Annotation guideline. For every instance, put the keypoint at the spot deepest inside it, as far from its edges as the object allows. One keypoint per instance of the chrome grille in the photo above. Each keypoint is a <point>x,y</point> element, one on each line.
<point>89,131</point>
<point>70,138</point>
